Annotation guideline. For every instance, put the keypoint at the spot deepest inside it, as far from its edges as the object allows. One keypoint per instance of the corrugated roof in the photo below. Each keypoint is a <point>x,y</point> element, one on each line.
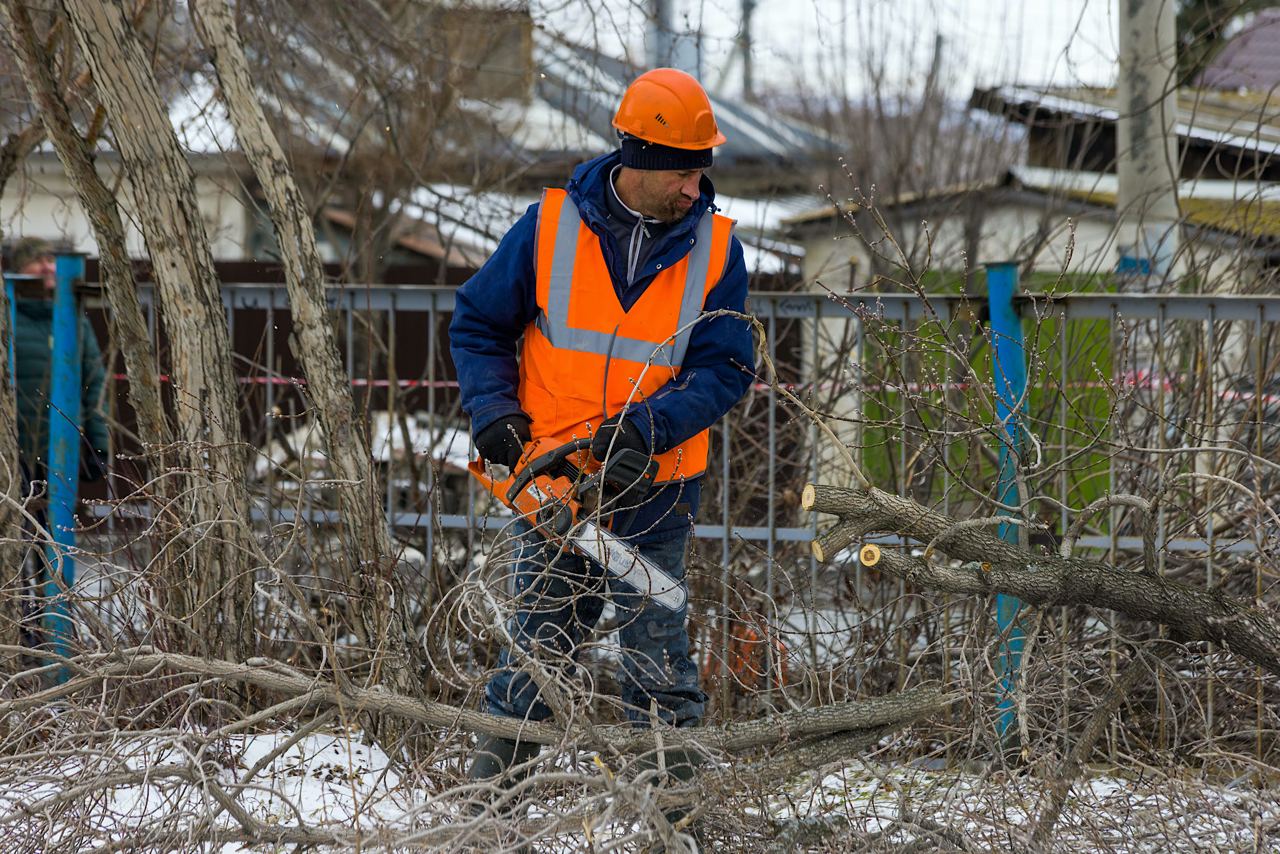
<point>586,85</point>
<point>1248,121</point>
<point>1251,59</point>
<point>567,119</point>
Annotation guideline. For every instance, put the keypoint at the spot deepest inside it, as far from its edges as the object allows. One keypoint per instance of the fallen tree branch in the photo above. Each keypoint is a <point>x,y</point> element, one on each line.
<point>894,711</point>
<point>995,566</point>
<point>813,753</point>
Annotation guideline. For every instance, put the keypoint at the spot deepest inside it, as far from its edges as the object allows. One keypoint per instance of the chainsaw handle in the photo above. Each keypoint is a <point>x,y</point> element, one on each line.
<point>544,463</point>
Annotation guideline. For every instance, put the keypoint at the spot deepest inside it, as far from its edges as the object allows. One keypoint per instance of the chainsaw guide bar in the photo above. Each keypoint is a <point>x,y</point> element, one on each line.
<point>548,489</point>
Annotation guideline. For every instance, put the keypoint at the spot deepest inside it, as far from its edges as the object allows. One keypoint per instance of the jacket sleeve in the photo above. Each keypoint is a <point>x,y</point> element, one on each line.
<point>717,368</point>
<point>92,379</point>
<point>491,312</point>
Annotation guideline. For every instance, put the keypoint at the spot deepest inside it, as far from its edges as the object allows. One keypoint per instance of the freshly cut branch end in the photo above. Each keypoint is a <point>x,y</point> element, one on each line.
<point>837,500</point>
<point>828,545</point>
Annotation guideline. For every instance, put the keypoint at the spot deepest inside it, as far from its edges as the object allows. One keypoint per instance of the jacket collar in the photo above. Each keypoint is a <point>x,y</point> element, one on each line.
<point>33,309</point>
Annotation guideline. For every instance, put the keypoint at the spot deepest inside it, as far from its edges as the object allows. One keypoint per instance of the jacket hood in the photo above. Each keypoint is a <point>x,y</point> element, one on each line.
<point>587,188</point>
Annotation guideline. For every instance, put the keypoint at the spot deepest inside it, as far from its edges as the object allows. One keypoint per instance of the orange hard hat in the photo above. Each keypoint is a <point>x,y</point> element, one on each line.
<point>668,107</point>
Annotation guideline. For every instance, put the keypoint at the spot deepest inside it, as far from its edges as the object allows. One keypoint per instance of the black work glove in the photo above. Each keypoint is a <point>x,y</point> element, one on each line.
<point>629,437</point>
<point>503,441</point>
<point>627,476</point>
<point>93,465</point>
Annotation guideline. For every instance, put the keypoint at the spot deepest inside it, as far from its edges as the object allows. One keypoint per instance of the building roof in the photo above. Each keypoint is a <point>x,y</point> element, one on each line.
<point>1250,60</point>
<point>584,86</point>
<point>566,116</point>
<point>1237,208</point>
<point>1248,121</point>
<point>471,222</point>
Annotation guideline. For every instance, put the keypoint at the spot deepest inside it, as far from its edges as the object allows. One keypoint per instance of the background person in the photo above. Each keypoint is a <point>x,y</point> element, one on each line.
<point>33,368</point>
<point>33,361</point>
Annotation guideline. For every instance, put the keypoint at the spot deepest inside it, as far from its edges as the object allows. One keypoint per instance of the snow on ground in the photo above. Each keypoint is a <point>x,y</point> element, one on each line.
<point>324,779</point>
<point>329,778</point>
<point>1105,812</point>
<point>336,780</point>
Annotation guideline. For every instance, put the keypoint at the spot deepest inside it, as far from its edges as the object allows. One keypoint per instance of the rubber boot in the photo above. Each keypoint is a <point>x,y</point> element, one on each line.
<point>681,764</point>
<point>495,755</point>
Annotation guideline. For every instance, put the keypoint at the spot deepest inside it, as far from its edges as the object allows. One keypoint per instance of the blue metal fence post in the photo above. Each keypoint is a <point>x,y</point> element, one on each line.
<point>13,329</point>
<point>64,450</point>
<point>1010,378</point>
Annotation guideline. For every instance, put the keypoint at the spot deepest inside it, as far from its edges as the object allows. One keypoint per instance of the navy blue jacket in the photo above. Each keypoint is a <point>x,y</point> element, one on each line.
<point>499,302</point>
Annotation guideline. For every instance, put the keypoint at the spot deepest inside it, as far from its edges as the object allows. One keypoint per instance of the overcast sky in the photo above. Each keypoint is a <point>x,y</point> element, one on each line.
<point>810,41</point>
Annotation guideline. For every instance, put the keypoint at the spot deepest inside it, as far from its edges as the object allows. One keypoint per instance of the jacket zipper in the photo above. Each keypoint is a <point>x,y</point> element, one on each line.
<point>633,252</point>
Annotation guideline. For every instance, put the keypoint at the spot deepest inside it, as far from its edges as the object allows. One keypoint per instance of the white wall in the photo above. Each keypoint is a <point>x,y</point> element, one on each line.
<point>1009,230</point>
<point>1081,245</point>
<point>40,202</point>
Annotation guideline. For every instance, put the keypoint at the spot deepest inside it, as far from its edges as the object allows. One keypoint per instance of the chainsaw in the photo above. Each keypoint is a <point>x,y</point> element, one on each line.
<point>557,488</point>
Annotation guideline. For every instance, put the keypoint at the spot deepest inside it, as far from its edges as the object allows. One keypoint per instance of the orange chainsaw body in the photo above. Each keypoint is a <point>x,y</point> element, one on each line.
<point>537,489</point>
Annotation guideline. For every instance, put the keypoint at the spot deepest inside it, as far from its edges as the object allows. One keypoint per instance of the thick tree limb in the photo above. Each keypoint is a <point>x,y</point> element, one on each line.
<point>129,325</point>
<point>995,566</point>
<point>12,152</point>
<point>893,711</point>
<point>219,597</point>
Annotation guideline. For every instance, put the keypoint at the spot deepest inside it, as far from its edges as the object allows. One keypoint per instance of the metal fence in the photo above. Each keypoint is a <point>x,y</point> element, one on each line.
<point>421,373</point>
<point>1169,395</point>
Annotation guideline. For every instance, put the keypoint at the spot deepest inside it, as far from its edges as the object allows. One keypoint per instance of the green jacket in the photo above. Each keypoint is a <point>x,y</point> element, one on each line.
<point>32,347</point>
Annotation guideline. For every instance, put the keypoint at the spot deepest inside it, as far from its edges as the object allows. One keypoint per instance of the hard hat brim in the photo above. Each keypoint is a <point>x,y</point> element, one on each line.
<point>696,145</point>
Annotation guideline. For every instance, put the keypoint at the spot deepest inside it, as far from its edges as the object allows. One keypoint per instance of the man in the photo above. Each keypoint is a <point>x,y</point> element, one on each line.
<point>33,359</point>
<point>585,324</point>
<point>32,366</point>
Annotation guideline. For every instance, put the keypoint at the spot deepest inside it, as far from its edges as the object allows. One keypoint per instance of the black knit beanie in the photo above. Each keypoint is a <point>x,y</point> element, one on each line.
<point>639,154</point>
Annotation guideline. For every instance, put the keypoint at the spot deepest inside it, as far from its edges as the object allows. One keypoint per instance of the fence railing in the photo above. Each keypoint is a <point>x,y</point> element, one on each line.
<point>1172,397</point>
<point>807,334</point>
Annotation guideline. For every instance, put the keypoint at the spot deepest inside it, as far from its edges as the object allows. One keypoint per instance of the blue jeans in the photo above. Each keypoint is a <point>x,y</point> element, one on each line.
<point>561,596</point>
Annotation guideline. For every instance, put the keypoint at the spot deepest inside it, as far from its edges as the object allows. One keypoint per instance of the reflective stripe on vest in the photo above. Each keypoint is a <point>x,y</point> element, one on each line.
<point>554,322</point>
<point>584,358</point>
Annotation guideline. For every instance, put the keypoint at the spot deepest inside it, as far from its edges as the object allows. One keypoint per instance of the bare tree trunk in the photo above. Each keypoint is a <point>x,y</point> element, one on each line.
<point>379,600</point>
<point>11,487</point>
<point>128,323</point>
<point>219,595</point>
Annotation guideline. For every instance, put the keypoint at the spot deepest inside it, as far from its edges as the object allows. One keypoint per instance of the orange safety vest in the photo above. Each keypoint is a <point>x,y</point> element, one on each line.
<point>584,358</point>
